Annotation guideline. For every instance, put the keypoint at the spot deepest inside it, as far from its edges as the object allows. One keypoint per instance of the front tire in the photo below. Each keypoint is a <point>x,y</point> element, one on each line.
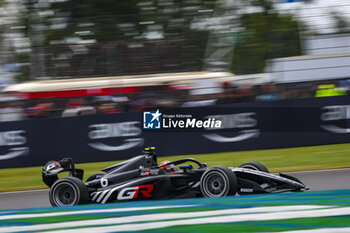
<point>255,166</point>
<point>218,182</point>
<point>68,191</point>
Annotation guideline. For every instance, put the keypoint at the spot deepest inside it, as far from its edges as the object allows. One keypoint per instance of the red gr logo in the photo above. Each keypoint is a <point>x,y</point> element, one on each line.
<point>133,192</point>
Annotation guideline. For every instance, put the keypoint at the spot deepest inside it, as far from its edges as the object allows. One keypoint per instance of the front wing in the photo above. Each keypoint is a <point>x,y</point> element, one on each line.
<point>253,181</point>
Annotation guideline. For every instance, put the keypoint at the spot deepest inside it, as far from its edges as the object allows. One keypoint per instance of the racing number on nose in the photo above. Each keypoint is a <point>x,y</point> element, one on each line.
<point>133,192</point>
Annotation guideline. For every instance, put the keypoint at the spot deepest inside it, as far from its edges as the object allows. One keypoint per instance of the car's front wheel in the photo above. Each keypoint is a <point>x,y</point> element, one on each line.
<point>68,191</point>
<point>218,182</point>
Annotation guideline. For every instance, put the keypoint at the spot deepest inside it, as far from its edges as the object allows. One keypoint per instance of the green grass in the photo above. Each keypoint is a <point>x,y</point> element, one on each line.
<point>277,160</point>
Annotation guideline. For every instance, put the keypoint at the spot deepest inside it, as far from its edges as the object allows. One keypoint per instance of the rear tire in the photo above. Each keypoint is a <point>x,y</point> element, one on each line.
<point>255,166</point>
<point>218,182</point>
<point>68,191</point>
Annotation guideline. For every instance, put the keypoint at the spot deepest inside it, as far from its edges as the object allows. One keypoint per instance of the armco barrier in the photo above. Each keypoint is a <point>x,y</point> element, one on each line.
<point>246,126</point>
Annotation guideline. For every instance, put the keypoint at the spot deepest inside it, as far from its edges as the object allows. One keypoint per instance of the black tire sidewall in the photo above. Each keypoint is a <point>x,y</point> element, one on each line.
<point>230,179</point>
<point>78,185</point>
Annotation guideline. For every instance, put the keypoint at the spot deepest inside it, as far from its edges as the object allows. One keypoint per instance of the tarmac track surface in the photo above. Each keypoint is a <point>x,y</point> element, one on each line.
<point>316,180</point>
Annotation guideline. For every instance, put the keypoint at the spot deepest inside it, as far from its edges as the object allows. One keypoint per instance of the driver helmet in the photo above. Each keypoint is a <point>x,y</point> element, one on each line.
<point>169,168</point>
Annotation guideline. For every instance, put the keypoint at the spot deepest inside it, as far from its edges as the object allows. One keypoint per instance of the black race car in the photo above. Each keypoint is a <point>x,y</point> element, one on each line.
<point>142,178</point>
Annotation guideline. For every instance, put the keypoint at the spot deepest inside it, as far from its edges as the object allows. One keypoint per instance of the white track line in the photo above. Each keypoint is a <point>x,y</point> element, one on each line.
<point>316,171</point>
<point>91,211</point>
<point>322,230</point>
<point>25,191</point>
<point>217,219</point>
<point>162,216</point>
<point>7,212</point>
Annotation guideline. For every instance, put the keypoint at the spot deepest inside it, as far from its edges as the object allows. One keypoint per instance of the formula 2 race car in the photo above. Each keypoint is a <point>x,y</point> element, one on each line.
<point>142,178</point>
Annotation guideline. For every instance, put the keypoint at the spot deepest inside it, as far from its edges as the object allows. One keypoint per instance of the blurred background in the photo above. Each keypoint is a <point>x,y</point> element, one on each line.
<point>265,67</point>
<point>107,56</point>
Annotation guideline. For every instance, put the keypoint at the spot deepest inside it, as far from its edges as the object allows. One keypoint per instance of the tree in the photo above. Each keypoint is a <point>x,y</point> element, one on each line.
<point>266,34</point>
<point>91,33</point>
<point>341,23</point>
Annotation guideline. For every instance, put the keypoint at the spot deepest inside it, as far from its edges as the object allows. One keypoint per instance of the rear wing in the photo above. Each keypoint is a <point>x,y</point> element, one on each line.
<point>53,168</point>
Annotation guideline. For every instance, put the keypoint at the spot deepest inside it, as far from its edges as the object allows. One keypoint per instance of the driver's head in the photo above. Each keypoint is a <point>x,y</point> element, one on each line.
<point>169,168</point>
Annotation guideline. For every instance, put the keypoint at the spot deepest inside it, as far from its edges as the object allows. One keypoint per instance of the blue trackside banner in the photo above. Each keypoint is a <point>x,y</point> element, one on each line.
<point>219,128</point>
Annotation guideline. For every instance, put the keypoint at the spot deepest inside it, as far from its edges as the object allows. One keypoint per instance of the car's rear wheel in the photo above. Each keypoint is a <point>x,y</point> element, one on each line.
<point>255,166</point>
<point>218,182</point>
<point>68,191</point>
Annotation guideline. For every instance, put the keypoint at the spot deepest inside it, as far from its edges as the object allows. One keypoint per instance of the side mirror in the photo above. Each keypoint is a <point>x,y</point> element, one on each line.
<point>186,167</point>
